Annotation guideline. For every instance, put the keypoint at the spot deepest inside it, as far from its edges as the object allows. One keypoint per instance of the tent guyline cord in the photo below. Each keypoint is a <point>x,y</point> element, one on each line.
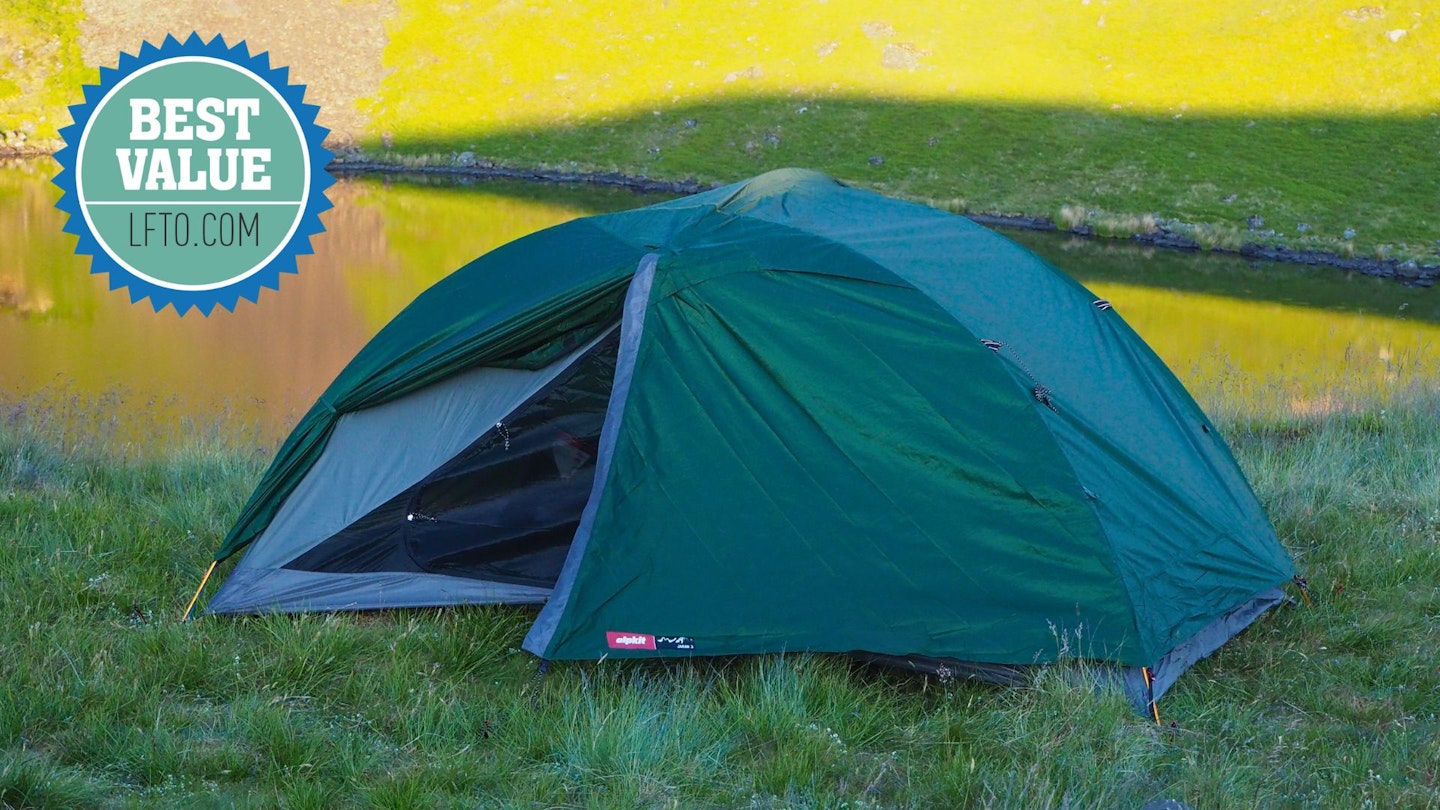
<point>196,597</point>
<point>535,683</point>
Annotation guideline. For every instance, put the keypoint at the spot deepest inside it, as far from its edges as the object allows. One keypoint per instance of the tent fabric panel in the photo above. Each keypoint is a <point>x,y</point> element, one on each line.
<point>1190,535</point>
<point>1167,484</point>
<point>266,590</point>
<point>632,328</point>
<point>830,455</point>
<point>1212,637</point>
<point>378,452</point>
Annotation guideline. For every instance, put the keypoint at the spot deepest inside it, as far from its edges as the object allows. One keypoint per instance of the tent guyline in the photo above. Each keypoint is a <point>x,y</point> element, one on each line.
<point>782,415</point>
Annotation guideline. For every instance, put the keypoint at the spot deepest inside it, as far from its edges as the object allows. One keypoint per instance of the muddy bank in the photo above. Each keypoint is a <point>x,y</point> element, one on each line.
<point>1409,273</point>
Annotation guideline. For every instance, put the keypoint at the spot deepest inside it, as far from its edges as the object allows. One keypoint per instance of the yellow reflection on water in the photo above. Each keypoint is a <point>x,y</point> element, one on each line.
<point>1267,358</point>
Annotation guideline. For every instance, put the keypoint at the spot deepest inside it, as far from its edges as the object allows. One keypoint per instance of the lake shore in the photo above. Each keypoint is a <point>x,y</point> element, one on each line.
<point>1163,234</point>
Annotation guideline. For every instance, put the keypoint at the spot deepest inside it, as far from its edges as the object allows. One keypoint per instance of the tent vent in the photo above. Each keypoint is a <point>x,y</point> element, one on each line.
<point>1101,303</point>
<point>1042,396</point>
<point>992,345</point>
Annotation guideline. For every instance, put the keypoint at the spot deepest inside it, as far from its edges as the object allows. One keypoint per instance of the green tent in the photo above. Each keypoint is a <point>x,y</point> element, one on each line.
<point>783,415</point>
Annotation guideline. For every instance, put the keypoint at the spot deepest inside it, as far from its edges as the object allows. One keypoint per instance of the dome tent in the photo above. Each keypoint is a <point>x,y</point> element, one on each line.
<point>782,415</point>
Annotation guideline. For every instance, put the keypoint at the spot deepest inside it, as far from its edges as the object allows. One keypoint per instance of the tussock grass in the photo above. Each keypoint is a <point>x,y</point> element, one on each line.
<point>106,701</point>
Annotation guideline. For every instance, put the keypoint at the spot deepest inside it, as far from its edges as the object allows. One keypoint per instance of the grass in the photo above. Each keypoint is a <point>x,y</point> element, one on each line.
<point>1312,120</point>
<point>41,70</point>
<point>1303,181</point>
<point>1316,118</point>
<point>106,701</point>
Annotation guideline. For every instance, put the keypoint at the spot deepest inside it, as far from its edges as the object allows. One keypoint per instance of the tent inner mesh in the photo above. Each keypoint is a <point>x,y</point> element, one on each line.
<point>504,509</point>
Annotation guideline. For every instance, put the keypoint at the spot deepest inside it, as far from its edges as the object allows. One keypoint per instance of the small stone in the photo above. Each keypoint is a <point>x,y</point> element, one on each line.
<point>933,141</point>
<point>465,158</point>
<point>1302,227</point>
<point>878,30</point>
<point>1230,198</point>
<point>1256,222</point>
<point>877,160</point>
<point>1166,804</point>
<point>1349,233</point>
<point>802,111</point>
<point>772,139</point>
<point>1396,35</point>
<point>902,56</point>
<point>691,123</point>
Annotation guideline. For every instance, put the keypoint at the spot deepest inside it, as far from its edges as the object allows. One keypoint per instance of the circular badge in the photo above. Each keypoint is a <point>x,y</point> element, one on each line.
<point>193,174</point>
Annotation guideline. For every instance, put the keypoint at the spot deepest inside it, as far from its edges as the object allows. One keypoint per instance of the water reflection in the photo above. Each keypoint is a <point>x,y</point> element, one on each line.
<point>1231,330</point>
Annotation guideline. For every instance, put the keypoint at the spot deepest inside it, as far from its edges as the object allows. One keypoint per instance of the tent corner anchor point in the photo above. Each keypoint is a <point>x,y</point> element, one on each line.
<point>196,597</point>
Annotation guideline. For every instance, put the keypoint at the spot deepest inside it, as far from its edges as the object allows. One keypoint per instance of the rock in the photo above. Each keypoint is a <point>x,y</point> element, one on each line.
<point>1166,804</point>
<point>1255,221</point>
<point>1364,13</point>
<point>752,72</point>
<point>466,159</point>
<point>1349,233</point>
<point>878,30</point>
<point>1302,227</point>
<point>933,141</point>
<point>1230,198</point>
<point>691,123</point>
<point>1396,35</point>
<point>901,56</point>
<point>877,160</point>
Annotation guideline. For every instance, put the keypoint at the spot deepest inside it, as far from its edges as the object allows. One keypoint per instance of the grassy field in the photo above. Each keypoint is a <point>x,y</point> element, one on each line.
<point>1317,118</point>
<point>106,701</point>
<point>1308,124</point>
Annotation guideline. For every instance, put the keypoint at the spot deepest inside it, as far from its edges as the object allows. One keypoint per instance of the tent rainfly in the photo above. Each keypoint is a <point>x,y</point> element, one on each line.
<point>782,415</point>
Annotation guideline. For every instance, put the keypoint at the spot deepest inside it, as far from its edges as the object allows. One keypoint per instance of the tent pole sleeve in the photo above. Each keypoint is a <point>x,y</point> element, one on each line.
<point>196,597</point>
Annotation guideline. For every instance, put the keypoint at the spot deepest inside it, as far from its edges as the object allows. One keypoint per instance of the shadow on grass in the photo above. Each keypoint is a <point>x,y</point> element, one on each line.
<point>1375,176</point>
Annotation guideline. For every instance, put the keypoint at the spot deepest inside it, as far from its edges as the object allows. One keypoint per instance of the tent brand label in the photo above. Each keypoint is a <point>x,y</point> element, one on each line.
<point>193,174</point>
<point>630,641</point>
<point>645,641</point>
<point>674,643</point>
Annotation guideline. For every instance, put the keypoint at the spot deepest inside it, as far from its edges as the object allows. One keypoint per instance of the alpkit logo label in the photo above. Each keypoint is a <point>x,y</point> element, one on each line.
<point>630,641</point>
<point>193,174</point>
<point>645,641</point>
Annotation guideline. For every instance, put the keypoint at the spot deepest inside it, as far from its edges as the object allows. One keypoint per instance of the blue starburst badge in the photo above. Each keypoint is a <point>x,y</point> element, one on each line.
<point>193,174</point>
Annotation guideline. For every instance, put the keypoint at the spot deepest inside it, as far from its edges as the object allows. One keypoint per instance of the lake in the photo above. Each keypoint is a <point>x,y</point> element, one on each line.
<point>1246,337</point>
